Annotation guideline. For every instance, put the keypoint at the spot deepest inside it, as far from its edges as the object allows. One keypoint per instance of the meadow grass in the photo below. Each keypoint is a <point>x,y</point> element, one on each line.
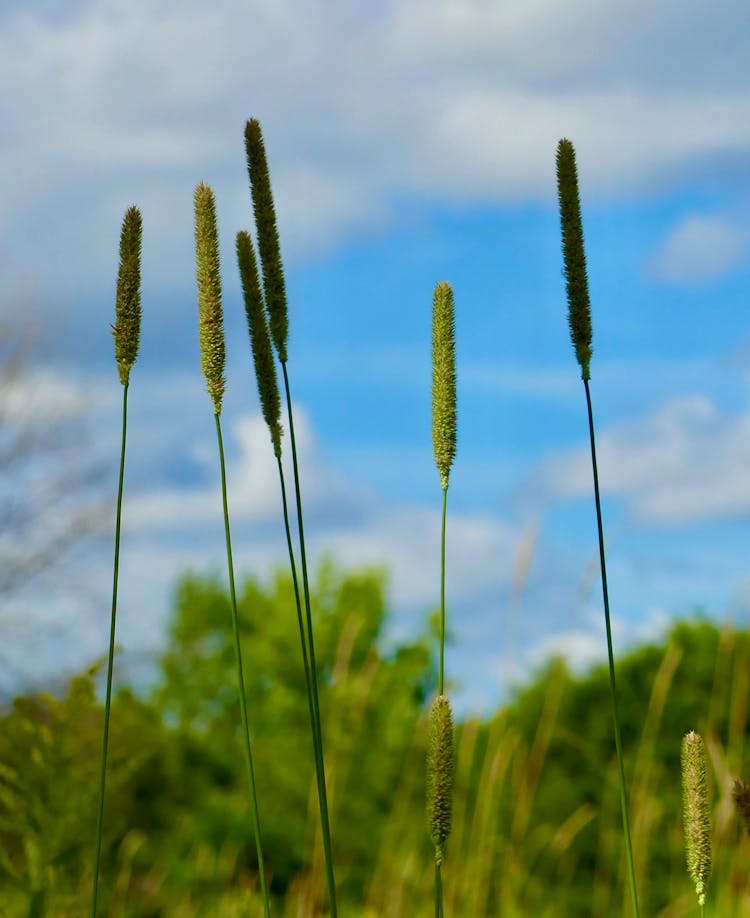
<point>444,432</point>
<point>211,337</point>
<point>126,332</point>
<point>579,320</point>
<point>511,858</point>
<point>274,292</point>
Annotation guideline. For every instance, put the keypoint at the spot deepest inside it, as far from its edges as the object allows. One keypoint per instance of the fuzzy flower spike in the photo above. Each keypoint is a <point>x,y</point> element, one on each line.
<point>260,340</point>
<point>440,775</point>
<point>443,381</point>
<point>268,236</point>
<point>574,256</point>
<point>697,824</point>
<point>210,317</point>
<point>127,327</point>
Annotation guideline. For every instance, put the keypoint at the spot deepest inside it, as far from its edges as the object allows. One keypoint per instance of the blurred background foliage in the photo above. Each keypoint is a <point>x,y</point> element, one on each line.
<point>536,820</point>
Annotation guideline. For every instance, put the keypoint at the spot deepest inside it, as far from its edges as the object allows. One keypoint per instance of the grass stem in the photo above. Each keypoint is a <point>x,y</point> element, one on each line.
<point>111,657</point>
<point>441,676</point>
<point>314,724</point>
<point>324,816</point>
<point>240,677</point>
<point>610,655</point>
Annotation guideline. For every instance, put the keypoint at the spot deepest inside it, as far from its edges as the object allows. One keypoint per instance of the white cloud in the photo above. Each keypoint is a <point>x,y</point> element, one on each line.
<point>700,248</point>
<point>685,463</point>
<point>119,102</point>
<point>586,646</point>
<point>342,517</point>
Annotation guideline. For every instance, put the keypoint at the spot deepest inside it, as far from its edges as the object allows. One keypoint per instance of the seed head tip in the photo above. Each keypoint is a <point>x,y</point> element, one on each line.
<point>574,256</point>
<point>274,285</point>
<point>127,327</point>
<point>443,381</point>
<point>208,277</point>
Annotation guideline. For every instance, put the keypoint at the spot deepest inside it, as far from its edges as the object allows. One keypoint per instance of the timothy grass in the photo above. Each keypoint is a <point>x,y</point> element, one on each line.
<point>274,289</point>
<point>579,320</point>
<point>440,746</point>
<point>541,805</point>
<point>212,358</point>
<point>695,813</point>
<point>126,331</point>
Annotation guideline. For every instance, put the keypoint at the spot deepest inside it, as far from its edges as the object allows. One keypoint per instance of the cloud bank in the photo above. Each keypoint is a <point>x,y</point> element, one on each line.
<point>364,108</point>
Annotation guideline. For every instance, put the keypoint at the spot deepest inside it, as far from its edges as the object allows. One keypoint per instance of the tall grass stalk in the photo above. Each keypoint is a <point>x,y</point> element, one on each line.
<point>440,750</point>
<point>579,319</point>
<point>211,336</point>
<point>126,331</point>
<point>274,288</point>
<point>268,391</point>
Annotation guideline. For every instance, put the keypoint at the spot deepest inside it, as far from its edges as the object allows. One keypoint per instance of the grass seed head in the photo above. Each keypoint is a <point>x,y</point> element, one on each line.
<point>260,339</point>
<point>696,820</point>
<point>574,256</point>
<point>208,276</point>
<point>440,775</point>
<point>127,327</point>
<point>741,797</point>
<point>268,236</point>
<point>443,381</point>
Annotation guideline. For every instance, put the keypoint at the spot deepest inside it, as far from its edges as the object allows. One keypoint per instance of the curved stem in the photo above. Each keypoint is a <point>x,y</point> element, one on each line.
<point>111,657</point>
<point>441,677</point>
<point>610,655</point>
<point>320,777</point>
<point>326,829</point>
<point>240,677</point>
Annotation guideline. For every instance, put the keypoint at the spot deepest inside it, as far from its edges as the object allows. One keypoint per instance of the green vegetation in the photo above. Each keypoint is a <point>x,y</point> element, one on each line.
<point>536,828</point>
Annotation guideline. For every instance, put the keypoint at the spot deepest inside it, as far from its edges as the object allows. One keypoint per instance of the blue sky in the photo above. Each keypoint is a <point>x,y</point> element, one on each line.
<point>409,142</point>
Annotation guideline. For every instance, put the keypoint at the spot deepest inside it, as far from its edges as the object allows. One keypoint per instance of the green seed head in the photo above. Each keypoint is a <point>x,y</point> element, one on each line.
<point>260,339</point>
<point>741,797</point>
<point>696,821</point>
<point>210,319</point>
<point>440,775</point>
<point>443,381</point>
<point>127,327</point>
<point>574,256</point>
<point>268,236</point>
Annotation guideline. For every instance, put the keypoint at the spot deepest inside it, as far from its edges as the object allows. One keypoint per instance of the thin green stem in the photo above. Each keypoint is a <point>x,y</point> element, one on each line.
<point>439,913</point>
<point>441,677</point>
<point>111,658</point>
<point>610,654</point>
<point>240,677</point>
<point>326,829</point>
<point>320,777</point>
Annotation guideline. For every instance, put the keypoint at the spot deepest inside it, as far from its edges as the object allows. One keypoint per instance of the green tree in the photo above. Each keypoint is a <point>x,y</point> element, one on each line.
<point>370,704</point>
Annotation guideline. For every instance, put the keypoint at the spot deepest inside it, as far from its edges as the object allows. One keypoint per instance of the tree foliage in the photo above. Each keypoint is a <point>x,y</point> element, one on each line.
<point>536,820</point>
